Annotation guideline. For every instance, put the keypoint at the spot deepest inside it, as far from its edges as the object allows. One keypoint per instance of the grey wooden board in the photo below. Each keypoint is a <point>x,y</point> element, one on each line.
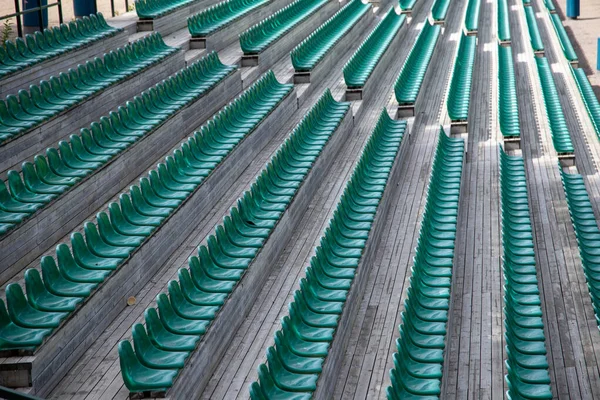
<point>473,365</point>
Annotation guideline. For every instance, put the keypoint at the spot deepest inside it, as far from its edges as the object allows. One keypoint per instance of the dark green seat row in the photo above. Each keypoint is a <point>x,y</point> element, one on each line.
<point>195,300</point>
<point>526,3</point>
<point>260,36</point>
<point>411,76</point>
<point>508,106</point>
<point>151,9</point>
<point>526,364</point>
<point>39,47</point>
<point>440,9</point>
<point>301,346</point>
<point>417,371</point>
<point>222,14</point>
<point>407,5</point>
<point>534,32</point>
<point>563,38</point>
<point>589,97</point>
<point>42,102</point>
<point>360,66</point>
<point>312,49</point>
<point>503,21</point>
<point>558,125</point>
<point>472,15</point>
<point>78,270</point>
<point>550,5</point>
<point>63,167</point>
<point>460,84</point>
<point>587,233</point>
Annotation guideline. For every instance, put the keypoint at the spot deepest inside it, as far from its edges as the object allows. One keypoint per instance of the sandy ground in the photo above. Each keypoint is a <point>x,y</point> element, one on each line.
<point>8,7</point>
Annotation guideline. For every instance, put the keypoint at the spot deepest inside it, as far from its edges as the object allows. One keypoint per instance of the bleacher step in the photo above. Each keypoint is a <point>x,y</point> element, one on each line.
<point>215,341</point>
<point>30,239</point>
<point>60,352</point>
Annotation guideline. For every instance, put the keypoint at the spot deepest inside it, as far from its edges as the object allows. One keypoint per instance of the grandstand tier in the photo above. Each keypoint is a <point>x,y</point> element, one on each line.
<point>300,199</point>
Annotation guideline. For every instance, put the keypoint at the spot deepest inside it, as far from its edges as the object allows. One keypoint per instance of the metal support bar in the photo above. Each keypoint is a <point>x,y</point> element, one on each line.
<point>38,9</point>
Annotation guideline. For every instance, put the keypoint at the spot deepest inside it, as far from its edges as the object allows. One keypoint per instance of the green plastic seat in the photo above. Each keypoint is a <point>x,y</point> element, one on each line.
<point>13,336</point>
<point>408,83</point>
<point>362,63</point>
<point>558,127</point>
<point>460,84</point>
<point>220,15</point>
<point>503,21</point>
<point>138,377</point>
<point>23,314</point>
<point>306,55</point>
<point>213,274</point>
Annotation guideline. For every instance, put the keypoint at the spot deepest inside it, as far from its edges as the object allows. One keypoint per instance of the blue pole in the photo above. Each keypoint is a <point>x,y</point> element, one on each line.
<point>598,56</point>
<point>573,9</point>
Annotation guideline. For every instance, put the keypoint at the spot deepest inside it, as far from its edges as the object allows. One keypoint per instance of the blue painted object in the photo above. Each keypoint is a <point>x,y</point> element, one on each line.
<point>32,19</point>
<point>82,8</point>
<point>573,9</point>
<point>598,56</point>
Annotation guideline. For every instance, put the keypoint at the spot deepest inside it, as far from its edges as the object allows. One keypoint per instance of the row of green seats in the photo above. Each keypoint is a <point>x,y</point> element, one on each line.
<point>526,364</point>
<point>503,21</point>
<point>526,3</point>
<point>587,233</point>
<point>472,15</point>
<point>42,102</point>
<point>41,46</point>
<point>411,76</point>
<point>150,9</point>
<point>62,168</point>
<point>407,5</point>
<point>301,346</point>
<point>439,10</point>
<point>508,106</point>
<point>221,14</point>
<point>534,32</point>
<point>589,97</point>
<point>360,66</point>
<point>197,297</point>
<point>307,54</point>
<point>563,38</point>
<point>558,125</point>
<point>420,348</point>
<point>550,6</point>
<point>260,36</point>
<point>462,76</point>
<point>78,270</point>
